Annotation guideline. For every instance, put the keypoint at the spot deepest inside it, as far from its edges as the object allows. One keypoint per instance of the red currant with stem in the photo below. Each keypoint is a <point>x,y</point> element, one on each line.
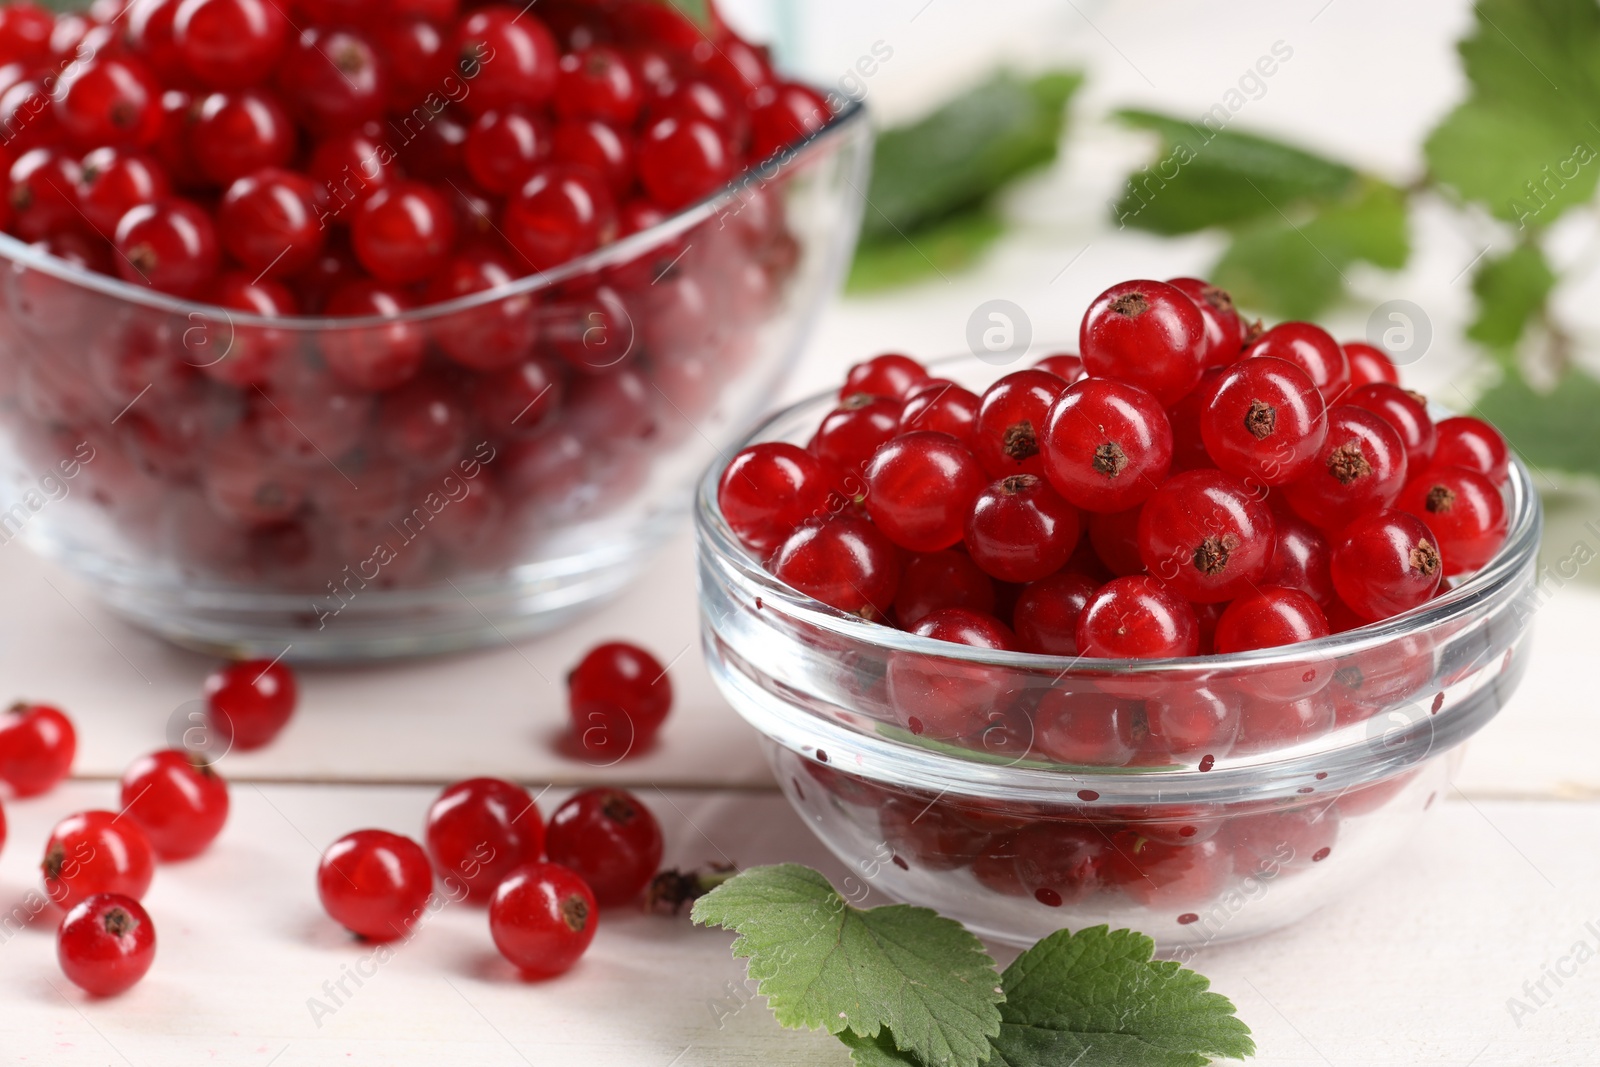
<point>1064,365</point>
<point>230,44</point>
<point>1114,536</point>
<point>1224,328</point>
<point>479,831</point>
<point>333,80</point>
<point>889,375</point>
<point>599,148</point>
<point>1384,563</point>
<point>542,919</point>
<point>1012,415</point>
<point>178,800</point>
<point>1047,612</point>
<point>618,696</point>
<point>1362,467</point>
<point>944,698</point>
<point>1207,535</point>
<point>844,561</point>
<point>250,702</point>
<point>404,233</point>
<point>1107,445</point>
<point>1407,412</point>
<point>270,223</point>
<point>508,57</point>
<point>944,579</point>
<point>1060,863</point>
<point>682,160</point>
<point>1137,617</point>
<point>598,83</point>
<point>920,488</point>
<point>233,134</point>
<point>1264,421</point>
<point>784,117</point>
<point>560,213</point>
<point>106,944</point>
<point>768,490</point>
<point>374,883</point>
<point>1465,512</point>
<point>504,148</point>
<point>114,180</point>
<point>1019,529</point>
<point>169,245</point>
<point>1310,348</point>
<point>1369,364</point>
<point>853,431</point>
<point>1300,559</point>
<point>109,101</point>
<point>41,189</point>
<point>1088,728</point>
<point>372,357</point>
<point>608,838</point>
<point>96,852</point>
<point>1189,723</point>
<point>37,746</point>
<point>1467,442</point>
<point>1148,334</point>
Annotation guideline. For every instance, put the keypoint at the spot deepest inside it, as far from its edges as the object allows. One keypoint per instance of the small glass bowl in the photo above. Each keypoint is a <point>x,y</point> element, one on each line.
<point>247,485</point>
<point>1205,800</point>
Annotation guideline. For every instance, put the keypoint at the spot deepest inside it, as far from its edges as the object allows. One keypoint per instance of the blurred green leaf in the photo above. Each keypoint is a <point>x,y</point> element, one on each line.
<point>1511,291</point>
<point>1556,430</point>
<point>944,247</point>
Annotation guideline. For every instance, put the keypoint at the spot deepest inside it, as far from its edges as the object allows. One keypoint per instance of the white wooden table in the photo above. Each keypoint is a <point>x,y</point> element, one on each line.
<point>1417,968</point>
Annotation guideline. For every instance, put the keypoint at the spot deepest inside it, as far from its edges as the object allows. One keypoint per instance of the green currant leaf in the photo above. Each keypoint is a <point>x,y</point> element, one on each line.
<point>877,1051</point>
<point>1097,997</point>
<point>1554,431</point>
<point>824,964</point>
<point>1511,292</point>
<point>944,247</point>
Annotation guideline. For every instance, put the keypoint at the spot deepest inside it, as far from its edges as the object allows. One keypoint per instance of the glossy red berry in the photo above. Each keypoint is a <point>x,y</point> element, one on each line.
<point>169,245</point>
<point>610,840</point>
<point>943,579</point>
<point>601,149</point>
<point>1088,728</point>
<point>1107,445</point>
<point>372,357</point>
<point>943,698</point>
<point>233,134</point>
<point>618,696</point>
<point>1362,467</point>
<point>1310,348</point>
<point>1467,442</point>
<point>1191,723</point>
<point>542,919</point>
<point>96,852</point>
<point>682,160</point>
<point>844,561</point>
<point>943,407</point>
<point>37,746</point>
<point>768,490</point>
<point>557,215</point>
<point>1384,563</point>
<point>784,117</point>
<point>479,831</point>
<point>333,80</point>
<point>505,147</point>
<point>1206,535</point>
<point>1465,512</point>
<point>1046,615</point>
<point>1019,529</point>
<point>1268,617</point>
<point>1224,328</point>
<point>106,944</point>
<point>41,193</point>
<point>507,56</point>
<point>921,487</point>
<point>1060,863</point>
<point>109,100</point>
<point>374,883</point>
<point>1264,421</point>
<point>598,83</point>
<point>1012,415</point>
<point>25,30</point>
<point>1407,412</point>
<point>1369,364</point>
<point>270,222</point>
<point>178,800</point>
<point>1148,334</point>
<point>1187,419</point>
<point>1137,617</point>
<point>417,60</point>
<point>1300,559</point>
<point>114,180</point>
<point>230,44</point>
<point>852,432</point>
<point>889,375</point>
<point>1064,365</point>
<point>404,233</point>
<point>250,702</point>
<point>1114,536</point>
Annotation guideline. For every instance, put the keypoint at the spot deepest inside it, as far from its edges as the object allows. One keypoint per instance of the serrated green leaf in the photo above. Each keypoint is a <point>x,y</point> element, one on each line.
<point>875,1051</point>
<point>824,964</point>
<point>944,247</point>
<point>1555,431</point>
<point>959,156</point>
<point>1097,997</point>
<point>1511,291</point>
<point>1205,177</point>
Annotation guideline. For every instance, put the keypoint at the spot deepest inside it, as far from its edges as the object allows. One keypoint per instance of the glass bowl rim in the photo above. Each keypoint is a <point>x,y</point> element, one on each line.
<point>851,117</point>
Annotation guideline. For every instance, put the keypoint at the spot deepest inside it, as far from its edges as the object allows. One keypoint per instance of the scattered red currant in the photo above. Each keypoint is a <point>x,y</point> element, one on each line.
<point>37,746</point>
<point>178,800</point>
<point>610,840</point>
<point>618,696</point>
<point>96,852</point>
<point>479,830</point>
<point>542,919</point>
<point>374,883</point>
<point>106,944</point>
<point>251,702</point>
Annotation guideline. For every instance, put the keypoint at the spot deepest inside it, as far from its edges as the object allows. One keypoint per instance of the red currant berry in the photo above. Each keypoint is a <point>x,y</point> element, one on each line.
<point>106,944</point>
<point>943,579</point>
<point>617,697</point>
<point>1264,422</point>
<point>350,167</point>
<point>1300,559</point>
<point>1047,613</point>
<point>1465,512</point>
<point>417,61</point>
<point>1268,617</point>
<point>271,223</point>
<point>1206,535</point>
<point>96,852</point>
<point>601,149</point>
<point>375,884</point>
<point>1137,617</point>
<point>927,834</point>
<point>250,702</point>
<point>610,840</point>
<point>333,80</point>
<point>1224,327</point>
<point>1310,348</point>
<point>1472,443</point>
<point>234,134</point>
<point>479,831</point>
<point>507,56</point>
<point>1362,467</point>
<point>1114,535</point>
<point>890,375</point>
<point>42,190</point>
<point>1019,529</point>
<point>943,698</point>
<point>784,117</point>
<point>1158,875</point>
<point>1407,412</point>
<point>1384,563</point>
<point>518,401</point>
<point>598,83</point>
<point>558,215</point>
<point>230,44</point>
<point>843,561</point>
<point>1088,728</point>
<point>542,919</point>
<point>1060,863</point>
<point>25,30</point>
<point>682,160</point>
<point>423,424</point>
<point>114,180</point>
<point>920,488</point>
<point>504,148</point>
<point>169,245</point>
<point>372,357</point>
<point>768,490</point>
<point>109,101</point>
<point>1148,334</point>
<point>1107,445</point>
<point>1012,415</point>
<point>1369,364</point>
<point>178,800</point>
<point>942,407</point>
<point>37,746</point>
<point>1190,723</point>
<point>1064,365</point>
<point>1187,417</point>
<point>404,233</point>
<point>1293,839</point>
<point>853,431</point>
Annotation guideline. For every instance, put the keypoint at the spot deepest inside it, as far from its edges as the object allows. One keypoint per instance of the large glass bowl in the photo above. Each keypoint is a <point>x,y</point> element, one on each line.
<point>1207,799</point>
<point>227,481</point>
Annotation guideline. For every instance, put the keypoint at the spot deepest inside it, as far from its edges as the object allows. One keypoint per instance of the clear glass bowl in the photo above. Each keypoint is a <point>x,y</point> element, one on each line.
<point>1197,800</point>
<point>228,481</point>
